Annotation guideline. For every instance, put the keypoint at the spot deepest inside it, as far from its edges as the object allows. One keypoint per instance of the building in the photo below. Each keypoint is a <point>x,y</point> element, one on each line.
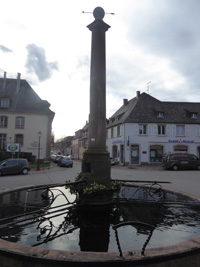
<point>144,128</point>
<point>80,142</point>
<point>23,114</point>
<point>83,141</point>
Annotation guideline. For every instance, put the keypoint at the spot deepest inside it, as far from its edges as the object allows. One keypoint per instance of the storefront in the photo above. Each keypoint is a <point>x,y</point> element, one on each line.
<point>156,153</point>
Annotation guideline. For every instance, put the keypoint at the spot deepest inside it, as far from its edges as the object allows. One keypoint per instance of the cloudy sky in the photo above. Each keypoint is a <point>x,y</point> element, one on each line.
<point>153,46</point>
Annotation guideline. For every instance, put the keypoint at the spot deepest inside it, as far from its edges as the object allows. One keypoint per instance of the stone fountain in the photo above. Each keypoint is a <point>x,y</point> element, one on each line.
<point>39,225</point>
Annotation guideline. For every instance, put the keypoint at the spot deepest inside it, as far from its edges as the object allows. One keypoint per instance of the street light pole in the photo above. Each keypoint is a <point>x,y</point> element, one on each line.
<point>38,161</point>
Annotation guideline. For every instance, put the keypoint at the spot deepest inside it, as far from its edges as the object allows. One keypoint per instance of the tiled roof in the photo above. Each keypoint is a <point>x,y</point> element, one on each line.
<point>25,100</point>
<point>145,108</point>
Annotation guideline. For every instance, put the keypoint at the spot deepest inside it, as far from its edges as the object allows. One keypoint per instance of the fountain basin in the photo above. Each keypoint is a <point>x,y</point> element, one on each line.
<point>180,254</point>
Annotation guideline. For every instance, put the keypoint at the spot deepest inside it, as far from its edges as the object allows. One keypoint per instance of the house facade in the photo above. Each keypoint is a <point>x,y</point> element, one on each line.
<point>80,142</point>
<point>144,128</point>
<point>23,114</point>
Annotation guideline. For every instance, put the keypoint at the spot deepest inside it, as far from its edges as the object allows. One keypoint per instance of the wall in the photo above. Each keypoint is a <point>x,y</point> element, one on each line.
<point>33,124</point>
<point>130,134</point>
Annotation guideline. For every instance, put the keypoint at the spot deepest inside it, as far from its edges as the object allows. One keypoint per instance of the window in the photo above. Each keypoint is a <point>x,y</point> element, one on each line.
<point>142,129</point>
<point>194,116</point>
<point>118,131</point>
<point>160,115</point>
<point>112,133</point>
<point>156,153</point>
<point>20,122</point>
<point>2,141</point>
<point>161,129</point>
<point>4,103</point>
<point>3,121</point>
<point>180,148</point>
<point>180,130</point>
<point>19,139</point>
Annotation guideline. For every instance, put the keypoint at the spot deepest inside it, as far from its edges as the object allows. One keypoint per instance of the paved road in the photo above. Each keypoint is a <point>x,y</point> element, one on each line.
<point>185,181</point>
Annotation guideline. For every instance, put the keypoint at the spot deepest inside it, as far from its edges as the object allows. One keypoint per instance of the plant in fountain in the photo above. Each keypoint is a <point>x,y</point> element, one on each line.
<point>100,189</point>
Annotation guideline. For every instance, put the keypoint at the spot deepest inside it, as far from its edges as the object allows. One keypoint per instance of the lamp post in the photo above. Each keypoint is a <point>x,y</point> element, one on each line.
<point>38,161</point>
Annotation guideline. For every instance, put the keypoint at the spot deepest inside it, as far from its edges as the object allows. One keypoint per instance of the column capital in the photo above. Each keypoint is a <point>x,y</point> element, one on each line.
<point>98,23</point>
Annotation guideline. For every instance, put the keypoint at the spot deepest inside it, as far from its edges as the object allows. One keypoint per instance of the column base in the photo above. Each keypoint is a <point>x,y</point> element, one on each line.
<point>96,166</point>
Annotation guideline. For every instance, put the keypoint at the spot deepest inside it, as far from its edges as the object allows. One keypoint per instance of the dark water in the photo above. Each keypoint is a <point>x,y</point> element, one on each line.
<point>59,225</point>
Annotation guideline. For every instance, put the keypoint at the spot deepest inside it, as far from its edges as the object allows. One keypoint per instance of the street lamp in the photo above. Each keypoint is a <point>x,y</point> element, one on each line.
<point>38,161</point>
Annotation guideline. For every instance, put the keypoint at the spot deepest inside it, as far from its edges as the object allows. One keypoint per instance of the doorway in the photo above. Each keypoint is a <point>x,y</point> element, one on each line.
<point>135,154</point>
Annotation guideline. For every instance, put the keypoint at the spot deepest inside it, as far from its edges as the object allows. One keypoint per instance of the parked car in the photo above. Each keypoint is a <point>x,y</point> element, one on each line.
<point>71,157</point>
<point>55,158</point>
<point>14,166</point>
<point>65,161</point>
<point>182,161</point>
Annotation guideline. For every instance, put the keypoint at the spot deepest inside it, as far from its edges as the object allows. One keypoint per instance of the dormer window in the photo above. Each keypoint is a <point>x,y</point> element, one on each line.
<point>193,115</point>
<point>160,115</point>
<point>4,103</point>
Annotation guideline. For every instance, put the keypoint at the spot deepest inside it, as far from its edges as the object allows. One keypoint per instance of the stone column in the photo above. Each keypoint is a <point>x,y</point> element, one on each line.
<point>96,161</point>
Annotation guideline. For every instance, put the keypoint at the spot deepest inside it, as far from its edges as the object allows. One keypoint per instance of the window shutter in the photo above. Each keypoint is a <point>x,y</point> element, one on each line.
<point>198,130</point>
<point>174,130</point>
<point>168,130</point>
<point>149,129</point>
<point>136,129</point>
<point>155,129</point>
<point>186,130</point>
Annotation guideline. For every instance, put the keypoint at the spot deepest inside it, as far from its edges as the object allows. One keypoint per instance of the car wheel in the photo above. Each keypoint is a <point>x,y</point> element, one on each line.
<point>71,166</point>
<point>198,167</point>
<point>175,168</point>
<point>25,171</point>
<point>0,173</point>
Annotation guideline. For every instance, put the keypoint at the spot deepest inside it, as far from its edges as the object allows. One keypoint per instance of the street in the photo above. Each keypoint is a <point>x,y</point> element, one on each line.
<point>184,181</point>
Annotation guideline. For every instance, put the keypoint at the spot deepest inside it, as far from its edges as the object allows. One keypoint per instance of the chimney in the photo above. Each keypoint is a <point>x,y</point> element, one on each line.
<point>125,101</point>
<point>138,94</point>
<point>4,80</point>
<point>18,82</point>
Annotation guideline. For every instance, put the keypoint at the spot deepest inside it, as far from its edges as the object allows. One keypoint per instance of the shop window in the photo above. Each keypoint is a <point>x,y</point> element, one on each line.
<point>156,153</point>
<point>114,152</point>
<point>181,148</point>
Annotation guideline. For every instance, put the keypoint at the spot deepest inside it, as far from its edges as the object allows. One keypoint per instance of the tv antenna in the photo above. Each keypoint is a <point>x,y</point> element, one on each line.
<point>147,84</point>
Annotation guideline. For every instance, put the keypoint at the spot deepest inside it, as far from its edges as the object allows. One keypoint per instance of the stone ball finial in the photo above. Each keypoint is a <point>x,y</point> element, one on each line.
<point>98,13</point>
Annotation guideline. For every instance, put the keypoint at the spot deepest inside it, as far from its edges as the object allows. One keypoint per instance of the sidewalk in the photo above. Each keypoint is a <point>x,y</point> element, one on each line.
<point>53,168</point>
<point>145,167</point>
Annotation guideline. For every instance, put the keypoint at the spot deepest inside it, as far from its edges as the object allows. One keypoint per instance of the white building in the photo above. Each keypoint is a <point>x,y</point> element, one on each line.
<point>144,128</point>
<point>22,115</point>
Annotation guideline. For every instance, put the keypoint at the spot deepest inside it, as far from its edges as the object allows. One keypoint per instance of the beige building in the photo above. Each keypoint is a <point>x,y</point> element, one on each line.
<point>23,114</point>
